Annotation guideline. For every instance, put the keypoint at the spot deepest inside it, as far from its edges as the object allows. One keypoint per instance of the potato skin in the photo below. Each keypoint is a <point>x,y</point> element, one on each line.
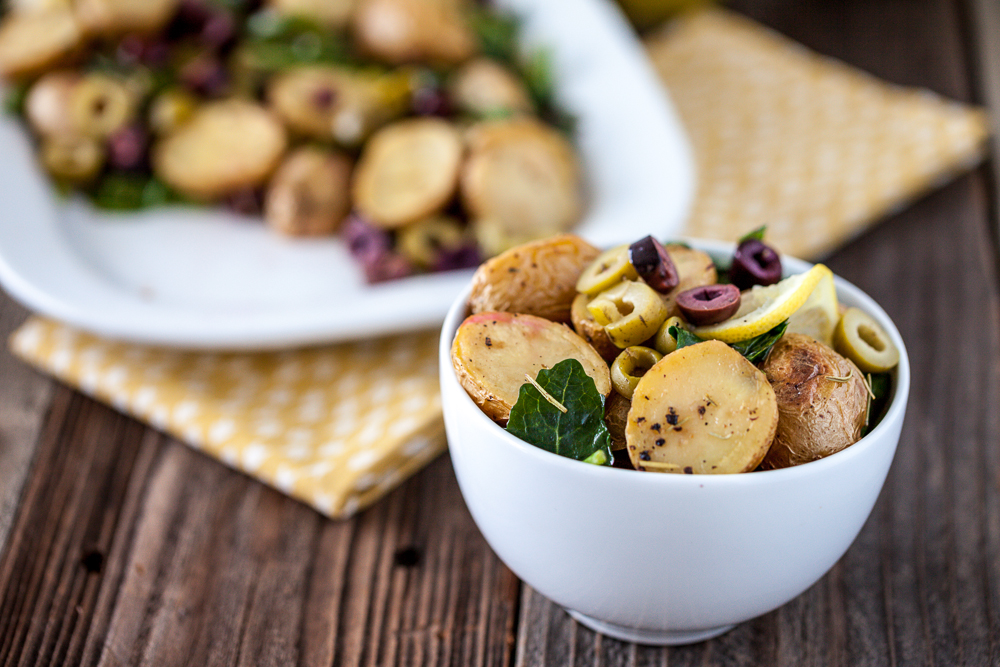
<point>492,352</point>
<point>701,409</point>
<point>817,416</point>
<point>537,278</point>
<point>616,417</point>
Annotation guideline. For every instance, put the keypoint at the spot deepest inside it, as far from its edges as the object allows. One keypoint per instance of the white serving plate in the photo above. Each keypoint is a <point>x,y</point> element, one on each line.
<point>208,279</point>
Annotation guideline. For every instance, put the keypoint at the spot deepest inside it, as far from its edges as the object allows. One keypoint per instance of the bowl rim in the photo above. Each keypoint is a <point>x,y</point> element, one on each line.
<point>791,265</point>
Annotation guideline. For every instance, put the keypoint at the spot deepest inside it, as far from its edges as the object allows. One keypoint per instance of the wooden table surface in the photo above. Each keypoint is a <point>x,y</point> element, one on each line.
<point>124,547</point>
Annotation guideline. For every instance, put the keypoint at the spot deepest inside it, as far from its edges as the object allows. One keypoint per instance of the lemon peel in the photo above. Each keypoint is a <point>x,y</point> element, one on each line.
<point>819,315</point>
<point>763,308</point>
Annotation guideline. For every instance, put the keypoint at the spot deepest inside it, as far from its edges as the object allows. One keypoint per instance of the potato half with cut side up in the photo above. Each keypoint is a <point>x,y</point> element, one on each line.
<point>703,409</point>
<point>223,147</point>
<point>33,41</point>
<point>521,181</point>
<point>537,278</point>
<point>493,351</point>
<point>822,401</point>
<point>407,171</point>
<point>402,31</point>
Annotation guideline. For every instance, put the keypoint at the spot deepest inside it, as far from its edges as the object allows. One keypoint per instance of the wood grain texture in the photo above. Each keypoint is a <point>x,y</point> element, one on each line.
<point>132,549</point>
<point>24,395</point>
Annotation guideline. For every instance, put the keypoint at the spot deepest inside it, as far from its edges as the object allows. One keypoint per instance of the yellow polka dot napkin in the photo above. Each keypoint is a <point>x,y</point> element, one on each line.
<point>332,426</point>
<point>812,148</point>
<point>808,146</point>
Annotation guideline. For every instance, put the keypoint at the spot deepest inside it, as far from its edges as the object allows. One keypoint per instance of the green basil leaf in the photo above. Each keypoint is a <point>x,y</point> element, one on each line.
<point>498,34</point>
<point>757,348</point>
<point>579,433</point>
<point>684,337</point>
<point>757,234</point>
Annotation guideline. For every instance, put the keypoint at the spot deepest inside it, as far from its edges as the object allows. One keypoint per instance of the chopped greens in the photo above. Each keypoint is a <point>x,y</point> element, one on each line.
<point>578,433</point>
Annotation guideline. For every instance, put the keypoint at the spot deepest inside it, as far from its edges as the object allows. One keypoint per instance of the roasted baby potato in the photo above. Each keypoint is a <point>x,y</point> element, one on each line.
<point>48,103</point>
<point>107,17</point>
<point>326,102</point>
<point>407,171</point>
<point>225,146</point>
<point>402,31</point>
<point>493,351</point>
<point>520,182</point>
<point>822,401</point>
<point>309,194</point>
<point>483,86</point>
<point>701,409</point>
<point>592,332</point>
<point>537,278</point>
<point>33,41</point>
<point>615,417</point>
<point>694,268</point>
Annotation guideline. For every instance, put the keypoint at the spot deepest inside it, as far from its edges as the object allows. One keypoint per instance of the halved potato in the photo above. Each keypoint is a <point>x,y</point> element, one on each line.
<point>483,85</point>
<point>115,17</point>
<point>521,181</point>
<point>401,31</point>
<point>327,102</point>
<point>309,194</point>
<point>33,41</point>
<point>537,278</point>
<point>822,401</point>
<point>701,409</point>
<point>407,171</point>
<point>223,147</point>
<point>493,351</point>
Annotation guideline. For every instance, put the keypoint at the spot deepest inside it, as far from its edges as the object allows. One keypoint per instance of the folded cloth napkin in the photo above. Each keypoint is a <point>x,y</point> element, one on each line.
<point>812,148</point>
<point>808,146</point>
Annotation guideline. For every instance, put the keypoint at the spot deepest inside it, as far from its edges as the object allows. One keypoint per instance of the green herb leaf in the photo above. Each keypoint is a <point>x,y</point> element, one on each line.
<point>684,337</point>
<point>13,102</point>
<point>497,33</point>
<point>757,348</point>
<point>881,385</point>
<point>579,433</point>
<point>122,191</point>
<point>757,234</point>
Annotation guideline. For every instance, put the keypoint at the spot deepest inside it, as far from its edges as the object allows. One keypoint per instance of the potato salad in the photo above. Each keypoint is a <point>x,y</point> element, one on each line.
<point>659,358</point>
<point>420,131</point>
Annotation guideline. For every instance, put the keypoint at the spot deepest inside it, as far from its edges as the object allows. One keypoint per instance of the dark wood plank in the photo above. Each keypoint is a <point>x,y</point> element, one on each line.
<point>24,395</point>
<point>132,549</point>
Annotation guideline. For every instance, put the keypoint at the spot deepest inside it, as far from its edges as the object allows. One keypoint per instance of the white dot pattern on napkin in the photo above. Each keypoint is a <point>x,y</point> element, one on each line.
<point>314,423</point>
<point>806,145</point>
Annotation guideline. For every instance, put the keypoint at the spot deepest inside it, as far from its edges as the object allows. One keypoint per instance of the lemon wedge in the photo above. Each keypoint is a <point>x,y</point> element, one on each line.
<point>763,308</point>
<point>819,315</point>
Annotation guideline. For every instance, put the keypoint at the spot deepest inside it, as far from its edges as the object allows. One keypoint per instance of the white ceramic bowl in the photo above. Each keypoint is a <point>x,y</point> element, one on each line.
<point>659,558</point>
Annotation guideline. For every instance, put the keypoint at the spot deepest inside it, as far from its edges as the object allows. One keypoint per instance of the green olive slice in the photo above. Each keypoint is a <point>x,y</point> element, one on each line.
<point>629,366</point>
<point>630,312</point>
<point>860,338</point>
<point>610,268</point>
<point>664,342</point>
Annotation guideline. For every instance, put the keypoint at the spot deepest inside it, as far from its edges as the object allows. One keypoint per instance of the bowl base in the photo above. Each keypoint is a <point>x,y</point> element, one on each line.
<point>651,637</point>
